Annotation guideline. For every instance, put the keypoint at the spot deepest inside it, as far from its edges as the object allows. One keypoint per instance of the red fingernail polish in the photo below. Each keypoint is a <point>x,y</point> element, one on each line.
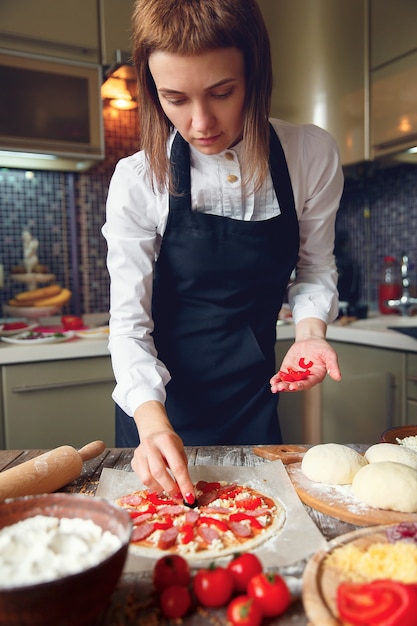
<point>189,498</point>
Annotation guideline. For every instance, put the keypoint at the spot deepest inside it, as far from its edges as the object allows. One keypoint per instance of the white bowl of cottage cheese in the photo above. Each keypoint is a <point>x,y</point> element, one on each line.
<point>61,556</point>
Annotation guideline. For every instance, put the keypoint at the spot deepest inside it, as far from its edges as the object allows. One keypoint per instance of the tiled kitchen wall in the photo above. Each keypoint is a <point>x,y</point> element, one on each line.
<point>378,210</point>
<point>379,213</point>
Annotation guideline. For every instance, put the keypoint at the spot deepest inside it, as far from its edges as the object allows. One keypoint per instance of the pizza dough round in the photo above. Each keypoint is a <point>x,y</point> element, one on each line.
<point>391,452</point>
<point>332,463</point>
<point>387,485</point>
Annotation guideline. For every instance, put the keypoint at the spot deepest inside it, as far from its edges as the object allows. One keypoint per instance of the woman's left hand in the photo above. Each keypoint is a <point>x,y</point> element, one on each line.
<point>313,349</point>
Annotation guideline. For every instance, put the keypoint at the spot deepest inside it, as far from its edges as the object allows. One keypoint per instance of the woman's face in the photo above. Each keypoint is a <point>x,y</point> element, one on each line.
<point>202,95</point>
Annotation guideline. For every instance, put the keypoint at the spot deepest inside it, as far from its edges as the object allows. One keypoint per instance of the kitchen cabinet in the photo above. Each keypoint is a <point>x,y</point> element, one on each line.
<point>56,28</point>
<point>80,30</point>
<point>393,30</point>
<point>368,399</point>
<point>411,413</point>
<point>51,403</point>
<point>351,68</point>
<point>393,60</point>
<point>319,54</point>
<point>115,17</point>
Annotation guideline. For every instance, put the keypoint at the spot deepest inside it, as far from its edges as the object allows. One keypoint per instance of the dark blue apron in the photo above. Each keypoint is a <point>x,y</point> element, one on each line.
<point>219,285</point>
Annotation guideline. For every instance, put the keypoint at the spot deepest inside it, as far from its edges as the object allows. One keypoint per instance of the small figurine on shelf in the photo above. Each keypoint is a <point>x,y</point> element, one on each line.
<point>30,249</point>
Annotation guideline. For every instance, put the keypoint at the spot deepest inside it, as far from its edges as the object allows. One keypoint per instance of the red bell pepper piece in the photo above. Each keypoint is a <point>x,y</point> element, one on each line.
<point>379,603</point>
<point>154,498</point>
<point>187,533</point>
<point>212,521</point>
<point>287,377</point>
<point>240,517</point>
<point>304,365</point>
<point>250,504</point>
<point>292,375</point>
<point>163,524</point>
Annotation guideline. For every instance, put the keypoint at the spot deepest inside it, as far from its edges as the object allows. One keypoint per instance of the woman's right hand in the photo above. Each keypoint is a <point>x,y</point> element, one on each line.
<point>160,460</point>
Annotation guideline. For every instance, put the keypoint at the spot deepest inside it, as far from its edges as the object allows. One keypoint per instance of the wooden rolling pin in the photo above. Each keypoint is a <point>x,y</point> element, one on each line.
<point>48,472</point>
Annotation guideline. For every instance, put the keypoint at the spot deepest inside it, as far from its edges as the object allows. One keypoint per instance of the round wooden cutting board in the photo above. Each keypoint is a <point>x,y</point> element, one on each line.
<point>320,582</point>
<point>339,501</point>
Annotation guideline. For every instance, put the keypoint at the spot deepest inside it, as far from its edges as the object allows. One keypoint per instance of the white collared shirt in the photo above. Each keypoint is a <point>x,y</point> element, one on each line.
<point>135,223</point>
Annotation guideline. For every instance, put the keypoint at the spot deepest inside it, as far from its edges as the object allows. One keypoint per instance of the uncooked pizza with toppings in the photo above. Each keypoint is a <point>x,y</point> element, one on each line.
<point>227,518</point>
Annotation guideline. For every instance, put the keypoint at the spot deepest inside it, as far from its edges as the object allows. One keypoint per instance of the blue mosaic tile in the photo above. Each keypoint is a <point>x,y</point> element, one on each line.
<point>42,203</point>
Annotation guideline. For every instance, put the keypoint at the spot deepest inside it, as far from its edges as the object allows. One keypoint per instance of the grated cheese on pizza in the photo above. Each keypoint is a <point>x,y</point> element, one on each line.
<point>228,518</point>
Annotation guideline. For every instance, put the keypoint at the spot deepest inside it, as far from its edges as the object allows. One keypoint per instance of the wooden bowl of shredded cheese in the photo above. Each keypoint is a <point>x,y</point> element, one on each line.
<point>403,435</point>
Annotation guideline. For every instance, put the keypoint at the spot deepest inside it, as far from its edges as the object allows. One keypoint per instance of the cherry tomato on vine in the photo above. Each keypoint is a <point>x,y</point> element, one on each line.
<point>243,567</point>
<point>175,601</point>
<point>244,611</point>
<point>270,592</point>
<point>169,570</point>
<point>213,586</point>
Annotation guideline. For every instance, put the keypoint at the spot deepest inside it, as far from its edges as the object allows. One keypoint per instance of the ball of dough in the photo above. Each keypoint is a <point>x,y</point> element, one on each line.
<point>391,452</point>
<point>387,485</point>
<point>332,463</point>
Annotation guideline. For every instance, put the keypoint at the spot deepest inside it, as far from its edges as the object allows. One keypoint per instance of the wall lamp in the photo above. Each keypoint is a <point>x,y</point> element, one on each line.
<point>119,88</point>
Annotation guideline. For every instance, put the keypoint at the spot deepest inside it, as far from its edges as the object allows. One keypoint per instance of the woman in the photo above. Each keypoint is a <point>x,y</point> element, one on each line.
<point>204,228</point>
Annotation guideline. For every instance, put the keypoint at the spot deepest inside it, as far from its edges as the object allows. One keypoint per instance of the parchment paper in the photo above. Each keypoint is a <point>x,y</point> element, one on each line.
<point>298,539</point>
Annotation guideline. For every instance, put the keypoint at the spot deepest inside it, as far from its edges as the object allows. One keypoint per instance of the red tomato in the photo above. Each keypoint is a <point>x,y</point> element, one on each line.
<point>213,586</point>
<point>243,611</point>
<point>243,567</point>
<point>271,593</point>
<point>72,322</point>
<point>169,570</point>
<point>175,601</point>
<point>14,325</point>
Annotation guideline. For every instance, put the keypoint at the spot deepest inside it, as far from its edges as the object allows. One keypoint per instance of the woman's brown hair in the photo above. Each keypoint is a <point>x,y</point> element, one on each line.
<point>192,27</point>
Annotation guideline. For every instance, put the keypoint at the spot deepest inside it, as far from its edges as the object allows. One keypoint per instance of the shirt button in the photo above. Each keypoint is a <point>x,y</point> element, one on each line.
<point>229,156</point>
<point>232,178</point>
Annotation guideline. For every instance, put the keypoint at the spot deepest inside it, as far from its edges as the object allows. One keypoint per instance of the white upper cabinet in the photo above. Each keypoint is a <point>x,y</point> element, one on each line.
<point>349,66</point>
<point>393,78</point>
<point>77,30</point>
<point>66,29</point>
<point>115,28</point>
<point>393,30</point>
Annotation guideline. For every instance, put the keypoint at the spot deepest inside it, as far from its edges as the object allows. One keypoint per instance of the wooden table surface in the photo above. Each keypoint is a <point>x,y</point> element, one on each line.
<point>132,604</point>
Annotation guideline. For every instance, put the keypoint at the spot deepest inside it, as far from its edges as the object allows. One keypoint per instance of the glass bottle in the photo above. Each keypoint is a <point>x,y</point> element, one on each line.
<point>390,285</point>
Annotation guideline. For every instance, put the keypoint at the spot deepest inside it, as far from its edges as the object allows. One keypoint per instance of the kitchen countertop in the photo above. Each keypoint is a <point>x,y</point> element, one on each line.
<point>131,604</point>
<point>372,331</point>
